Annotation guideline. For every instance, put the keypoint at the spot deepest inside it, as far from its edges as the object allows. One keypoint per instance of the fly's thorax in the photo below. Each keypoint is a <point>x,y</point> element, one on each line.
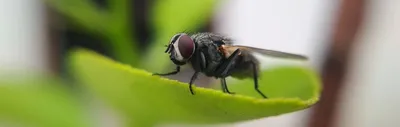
<point>206,45</point>
<point>212,56</point>
<point>212,52</point>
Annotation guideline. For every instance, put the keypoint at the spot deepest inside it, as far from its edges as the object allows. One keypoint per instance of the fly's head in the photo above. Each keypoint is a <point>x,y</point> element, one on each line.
<point>180,49</point>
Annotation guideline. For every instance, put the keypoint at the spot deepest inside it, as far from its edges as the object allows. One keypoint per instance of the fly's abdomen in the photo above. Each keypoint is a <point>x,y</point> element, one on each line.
<point>244,67</point>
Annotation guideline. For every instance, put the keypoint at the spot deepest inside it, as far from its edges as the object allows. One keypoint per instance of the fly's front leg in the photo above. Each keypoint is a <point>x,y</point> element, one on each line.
<point>194,77</point>
<point>178,69</point>
<point>198,66</point>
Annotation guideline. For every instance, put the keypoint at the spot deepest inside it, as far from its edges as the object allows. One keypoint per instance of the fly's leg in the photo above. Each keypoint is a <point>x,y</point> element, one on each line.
<point>199,65</point>
<point>226,65</point>
<point>202,60</point>
<point>192,80</point>
<point>224,68</point>
<point>224,87</point>
<point>255,75</point>
<point>178,68</point>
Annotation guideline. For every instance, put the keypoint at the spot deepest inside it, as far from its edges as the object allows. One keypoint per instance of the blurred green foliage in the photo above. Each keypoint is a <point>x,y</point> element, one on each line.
<point>143,99</point>
<point>40,101</point>
<point>167,16</point>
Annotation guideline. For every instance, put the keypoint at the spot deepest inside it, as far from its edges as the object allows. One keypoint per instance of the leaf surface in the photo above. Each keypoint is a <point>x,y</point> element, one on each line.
<point>143,97</point>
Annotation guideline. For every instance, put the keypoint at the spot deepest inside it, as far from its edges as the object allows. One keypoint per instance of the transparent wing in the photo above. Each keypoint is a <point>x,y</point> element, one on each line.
<point>272,53</point>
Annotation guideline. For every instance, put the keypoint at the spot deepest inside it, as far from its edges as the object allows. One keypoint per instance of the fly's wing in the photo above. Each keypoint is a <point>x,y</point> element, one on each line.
<point>271,53</point>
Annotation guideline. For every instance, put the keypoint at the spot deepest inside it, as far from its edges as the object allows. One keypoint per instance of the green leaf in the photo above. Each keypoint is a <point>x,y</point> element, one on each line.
<point>170,17</point>
<point>151,99</point>
<point>39,101</point>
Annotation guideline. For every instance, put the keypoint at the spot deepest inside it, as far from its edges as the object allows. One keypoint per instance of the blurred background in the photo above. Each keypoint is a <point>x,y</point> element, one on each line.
<point>353,43</point>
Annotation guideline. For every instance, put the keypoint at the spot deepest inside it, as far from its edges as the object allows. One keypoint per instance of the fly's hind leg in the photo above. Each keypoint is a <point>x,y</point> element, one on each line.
<point>255,75</point>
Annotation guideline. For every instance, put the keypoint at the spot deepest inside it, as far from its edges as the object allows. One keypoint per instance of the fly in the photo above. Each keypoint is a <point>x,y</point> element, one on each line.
<point>216,56</point>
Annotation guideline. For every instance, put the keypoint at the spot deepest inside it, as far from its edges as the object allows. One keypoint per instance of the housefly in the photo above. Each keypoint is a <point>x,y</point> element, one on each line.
<point>217,56</point>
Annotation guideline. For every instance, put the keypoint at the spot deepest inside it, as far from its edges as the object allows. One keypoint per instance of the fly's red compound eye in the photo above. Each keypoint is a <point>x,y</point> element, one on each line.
<point>186,46</point>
